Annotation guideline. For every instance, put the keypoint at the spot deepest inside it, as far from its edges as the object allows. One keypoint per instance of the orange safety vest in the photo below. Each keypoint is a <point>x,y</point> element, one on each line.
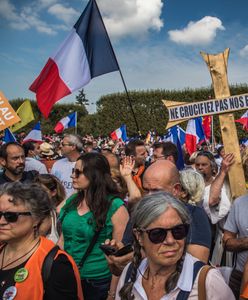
<point>32,286</point>
<point>245,292</point>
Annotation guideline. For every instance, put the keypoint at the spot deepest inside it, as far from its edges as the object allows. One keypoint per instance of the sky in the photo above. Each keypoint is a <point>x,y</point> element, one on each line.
<point>157,42</point>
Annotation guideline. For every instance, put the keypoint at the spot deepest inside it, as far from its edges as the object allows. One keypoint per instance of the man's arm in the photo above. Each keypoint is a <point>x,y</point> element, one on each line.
<point>234,244</point>
<point>198,251</point>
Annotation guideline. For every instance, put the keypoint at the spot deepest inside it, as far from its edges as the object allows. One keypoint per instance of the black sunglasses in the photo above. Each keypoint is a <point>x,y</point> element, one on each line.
<point>12,217</point>
<point>77,172</point>
<point>158,235</point>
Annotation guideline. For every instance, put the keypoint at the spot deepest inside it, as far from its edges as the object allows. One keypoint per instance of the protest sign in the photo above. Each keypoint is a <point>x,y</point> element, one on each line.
<point>8,116</point>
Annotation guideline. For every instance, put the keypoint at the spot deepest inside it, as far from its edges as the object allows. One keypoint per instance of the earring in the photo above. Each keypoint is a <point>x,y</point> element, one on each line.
<point>36,231</point>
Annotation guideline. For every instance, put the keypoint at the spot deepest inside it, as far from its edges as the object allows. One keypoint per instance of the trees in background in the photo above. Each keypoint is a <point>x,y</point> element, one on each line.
<point>114,110</point>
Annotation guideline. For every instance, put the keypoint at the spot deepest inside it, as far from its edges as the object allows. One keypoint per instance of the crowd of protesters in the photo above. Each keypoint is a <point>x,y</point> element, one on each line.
<point>127,224</point>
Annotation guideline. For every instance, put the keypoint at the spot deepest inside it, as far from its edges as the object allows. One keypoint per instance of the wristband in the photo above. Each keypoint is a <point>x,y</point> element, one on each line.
<point>111,294</point>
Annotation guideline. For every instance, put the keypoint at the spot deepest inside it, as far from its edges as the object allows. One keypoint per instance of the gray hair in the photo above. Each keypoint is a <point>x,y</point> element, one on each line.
<point>75,140</point>
<point>192,183</point>
<point>153,205</point>
<point>31,195</point>
<point>146,211</point>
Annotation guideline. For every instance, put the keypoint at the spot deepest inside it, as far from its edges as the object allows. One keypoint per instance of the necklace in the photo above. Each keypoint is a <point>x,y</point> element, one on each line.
<point>12,262</point>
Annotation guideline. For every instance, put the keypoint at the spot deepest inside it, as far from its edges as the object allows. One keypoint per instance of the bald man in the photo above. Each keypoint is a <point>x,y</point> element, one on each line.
<point>163,176</point>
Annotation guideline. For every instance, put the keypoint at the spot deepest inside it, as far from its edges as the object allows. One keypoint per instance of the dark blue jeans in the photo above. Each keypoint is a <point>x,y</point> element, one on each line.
<point>96,289</point>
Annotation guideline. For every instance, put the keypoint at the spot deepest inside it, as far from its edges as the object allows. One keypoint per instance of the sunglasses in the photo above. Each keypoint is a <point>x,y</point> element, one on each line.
<point>77,172</point>
<point>158,235</point>
<point>12,217</point>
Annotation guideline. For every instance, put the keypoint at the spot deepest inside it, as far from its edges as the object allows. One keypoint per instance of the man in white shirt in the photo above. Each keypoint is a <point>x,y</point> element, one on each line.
<point>71,147</point>
<point>32,152</point>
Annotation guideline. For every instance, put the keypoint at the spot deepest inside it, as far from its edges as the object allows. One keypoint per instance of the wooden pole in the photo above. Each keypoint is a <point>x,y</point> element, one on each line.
<point>217,65</point>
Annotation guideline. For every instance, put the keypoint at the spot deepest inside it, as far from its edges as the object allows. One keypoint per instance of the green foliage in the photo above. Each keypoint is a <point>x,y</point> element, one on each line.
<point>58,112</point>
<point>81,98</point>
<point>114,110</point>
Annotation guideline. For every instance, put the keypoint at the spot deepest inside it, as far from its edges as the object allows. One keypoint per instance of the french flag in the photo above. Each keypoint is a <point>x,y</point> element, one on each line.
<point>194,134</point>
<point>34,135</point>
<point>119,134</point>
<point>68,121</point>
<point>86,53</point>
<point>244,120</point>
<point>8,136</point>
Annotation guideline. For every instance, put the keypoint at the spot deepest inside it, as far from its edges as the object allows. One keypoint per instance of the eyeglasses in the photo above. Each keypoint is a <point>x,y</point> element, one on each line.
<point>77,172</point>
<point>12,217</point>
<point>158,235</point>
<point>66,144</point>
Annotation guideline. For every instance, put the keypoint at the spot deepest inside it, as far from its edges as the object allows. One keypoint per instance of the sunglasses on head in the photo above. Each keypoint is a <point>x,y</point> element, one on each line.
<point>77,172</point>
<point>158,235</point>
<point>12,217</point>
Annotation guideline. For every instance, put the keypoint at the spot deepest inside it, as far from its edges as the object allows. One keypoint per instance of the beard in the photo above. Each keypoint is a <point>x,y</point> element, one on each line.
<point>16,171</point>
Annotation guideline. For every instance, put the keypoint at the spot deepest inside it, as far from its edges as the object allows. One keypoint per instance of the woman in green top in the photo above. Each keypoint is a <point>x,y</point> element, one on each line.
<point>95,205</point>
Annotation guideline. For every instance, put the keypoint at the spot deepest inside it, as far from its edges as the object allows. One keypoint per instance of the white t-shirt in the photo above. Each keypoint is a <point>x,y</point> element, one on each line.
<point>33,164</point>
<point>63,169</point>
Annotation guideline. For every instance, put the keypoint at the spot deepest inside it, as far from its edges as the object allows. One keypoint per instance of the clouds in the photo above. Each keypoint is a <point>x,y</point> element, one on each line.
<point>244,52</point>
<point>24,19</point>
<point>198,33</point>
<point>66,14</point>
<point>131,17</point>
<point>122,18</point>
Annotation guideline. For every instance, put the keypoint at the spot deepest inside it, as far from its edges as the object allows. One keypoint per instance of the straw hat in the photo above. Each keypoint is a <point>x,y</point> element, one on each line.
<point>46,149</point>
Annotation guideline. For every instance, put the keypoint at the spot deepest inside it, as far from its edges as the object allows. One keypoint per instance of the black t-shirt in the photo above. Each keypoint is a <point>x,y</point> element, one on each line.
<point>61,284</point>
<point>27,177</point>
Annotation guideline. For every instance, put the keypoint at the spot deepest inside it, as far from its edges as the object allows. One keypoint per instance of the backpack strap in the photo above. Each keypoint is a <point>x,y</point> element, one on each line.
<point>183,295</point>
<point>202,282</point>
<point>47,265</point>
<point>128,273</point>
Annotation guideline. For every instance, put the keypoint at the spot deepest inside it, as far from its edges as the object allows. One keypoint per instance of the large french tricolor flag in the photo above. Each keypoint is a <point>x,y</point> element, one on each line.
<point>34,135</point>
<point>119,134</point>
<point>244,120</point>
<point>194,134</point>
<point>68,121</point>
<point>86,53</point>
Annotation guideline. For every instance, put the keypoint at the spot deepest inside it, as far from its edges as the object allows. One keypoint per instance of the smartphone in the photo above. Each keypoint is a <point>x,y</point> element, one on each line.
<point>110,250</point>
<point>124,250</point>
<point>107,249</point>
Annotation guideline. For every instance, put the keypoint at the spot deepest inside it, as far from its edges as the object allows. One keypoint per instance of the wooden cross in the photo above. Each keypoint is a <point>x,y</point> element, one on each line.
<point>181,111</point>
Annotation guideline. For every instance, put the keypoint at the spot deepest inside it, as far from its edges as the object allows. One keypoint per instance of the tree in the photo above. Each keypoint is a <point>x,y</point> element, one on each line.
<point>81,98</point>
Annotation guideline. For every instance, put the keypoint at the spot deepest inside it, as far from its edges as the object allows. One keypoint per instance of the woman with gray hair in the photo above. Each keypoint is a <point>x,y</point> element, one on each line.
<point>31,266</point>
<point>160,227</point>
<point>193,186</point>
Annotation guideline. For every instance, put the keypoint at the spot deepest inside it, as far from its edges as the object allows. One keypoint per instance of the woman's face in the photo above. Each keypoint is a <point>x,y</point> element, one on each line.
<point>169,252</point>
<point>22,227</point>
<point>79,180</point>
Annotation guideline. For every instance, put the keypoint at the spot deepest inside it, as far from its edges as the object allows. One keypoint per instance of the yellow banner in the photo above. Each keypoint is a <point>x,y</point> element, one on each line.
<point>26,115</point>
<point>8,116</point>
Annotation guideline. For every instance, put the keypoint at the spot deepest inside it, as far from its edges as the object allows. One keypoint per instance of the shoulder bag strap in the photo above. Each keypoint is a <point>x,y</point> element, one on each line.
<point>202,282</point>
<point>92,243</point>
<point>91,246</point>
<point>47,265</point>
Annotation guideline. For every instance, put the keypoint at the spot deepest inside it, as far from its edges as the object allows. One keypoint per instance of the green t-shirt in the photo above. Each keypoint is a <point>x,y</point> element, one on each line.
<point>78,232</point>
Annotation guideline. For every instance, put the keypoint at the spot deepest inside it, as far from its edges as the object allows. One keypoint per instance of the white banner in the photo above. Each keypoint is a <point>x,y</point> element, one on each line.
<point>209,107</point>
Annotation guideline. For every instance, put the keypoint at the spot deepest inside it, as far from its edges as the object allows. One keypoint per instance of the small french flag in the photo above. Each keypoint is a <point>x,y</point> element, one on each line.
<point>34,135</point>
<point>194,134</point>
<point>244,120</point>
<point>119,133</point>
<point>69,121</point>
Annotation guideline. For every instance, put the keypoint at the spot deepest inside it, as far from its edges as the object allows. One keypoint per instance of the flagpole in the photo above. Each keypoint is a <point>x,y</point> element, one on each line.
<point>122,78</point>
<point>76,123</point>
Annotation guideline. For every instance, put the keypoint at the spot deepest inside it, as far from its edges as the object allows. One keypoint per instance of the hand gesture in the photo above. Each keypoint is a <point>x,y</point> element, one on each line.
<point>226,163</point>
<point>127,166</point>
